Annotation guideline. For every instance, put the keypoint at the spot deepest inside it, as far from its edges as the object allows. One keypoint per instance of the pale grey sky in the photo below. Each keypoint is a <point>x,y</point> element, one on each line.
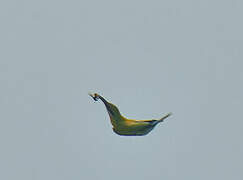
<point>147,57</point>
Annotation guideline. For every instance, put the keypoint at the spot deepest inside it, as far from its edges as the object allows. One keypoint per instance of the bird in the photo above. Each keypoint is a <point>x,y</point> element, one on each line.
<point>127,127</point>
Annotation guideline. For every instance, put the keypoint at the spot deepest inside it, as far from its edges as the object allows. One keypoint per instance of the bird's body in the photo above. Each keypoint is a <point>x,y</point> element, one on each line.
<point>124,126</point>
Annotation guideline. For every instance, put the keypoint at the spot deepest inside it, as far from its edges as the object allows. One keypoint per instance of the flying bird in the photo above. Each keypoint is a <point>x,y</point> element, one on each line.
<point>124,126</point>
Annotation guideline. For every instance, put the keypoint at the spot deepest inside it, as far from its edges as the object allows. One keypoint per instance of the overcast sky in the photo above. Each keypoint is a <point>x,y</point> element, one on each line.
<point>147,57</point>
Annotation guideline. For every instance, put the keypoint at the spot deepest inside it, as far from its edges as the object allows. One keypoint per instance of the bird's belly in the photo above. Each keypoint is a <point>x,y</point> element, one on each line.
<point>132,130</point>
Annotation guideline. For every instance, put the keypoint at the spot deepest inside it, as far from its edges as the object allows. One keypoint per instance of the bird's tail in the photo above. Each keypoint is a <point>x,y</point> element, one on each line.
<point>162,119</point>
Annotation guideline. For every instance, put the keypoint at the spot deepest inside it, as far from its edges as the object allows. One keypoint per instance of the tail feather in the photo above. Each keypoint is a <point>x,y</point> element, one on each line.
<point>167,115</point>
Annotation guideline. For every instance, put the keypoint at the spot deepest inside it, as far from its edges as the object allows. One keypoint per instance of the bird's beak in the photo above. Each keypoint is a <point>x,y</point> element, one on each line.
<point>94,96</point>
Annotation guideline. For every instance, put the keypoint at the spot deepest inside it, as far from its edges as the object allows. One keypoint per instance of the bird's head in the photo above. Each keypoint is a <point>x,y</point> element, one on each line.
<point>111,108</point>
<point>95,96</point>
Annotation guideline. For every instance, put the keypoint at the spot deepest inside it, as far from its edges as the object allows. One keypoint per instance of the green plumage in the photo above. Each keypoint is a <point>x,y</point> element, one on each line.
<point>124,126</point>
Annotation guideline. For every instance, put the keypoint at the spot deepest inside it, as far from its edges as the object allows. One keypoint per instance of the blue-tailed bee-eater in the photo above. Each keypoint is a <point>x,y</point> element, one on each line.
<point>124,126</point>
